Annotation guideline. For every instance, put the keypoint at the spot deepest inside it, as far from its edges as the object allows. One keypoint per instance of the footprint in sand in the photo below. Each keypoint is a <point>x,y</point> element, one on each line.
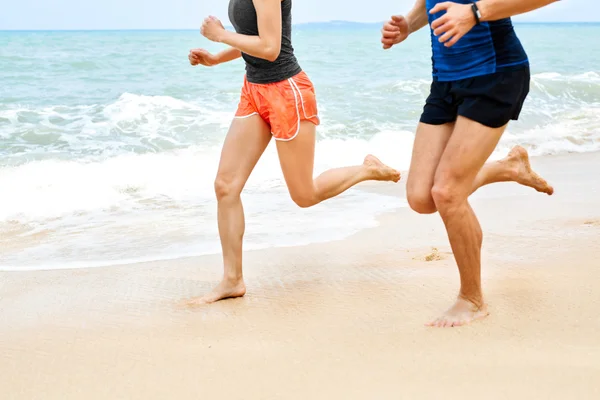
<point>435,255</point>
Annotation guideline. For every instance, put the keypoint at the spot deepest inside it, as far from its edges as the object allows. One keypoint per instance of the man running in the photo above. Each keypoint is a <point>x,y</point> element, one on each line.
<point>480,81</point>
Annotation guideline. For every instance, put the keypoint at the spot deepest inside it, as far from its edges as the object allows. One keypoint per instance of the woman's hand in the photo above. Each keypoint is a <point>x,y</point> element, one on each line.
<point>454,24</point>
<point>212,29</point>
<point>202,57</point>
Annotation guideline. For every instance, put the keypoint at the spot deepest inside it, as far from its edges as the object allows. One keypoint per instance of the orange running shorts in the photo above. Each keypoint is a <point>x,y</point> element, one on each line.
<point>282,105</point>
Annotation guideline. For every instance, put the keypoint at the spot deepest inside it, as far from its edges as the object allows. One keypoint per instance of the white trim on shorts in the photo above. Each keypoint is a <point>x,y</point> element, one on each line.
<point>293,82</point>
<point>245,116</point>
<point>295,89</point>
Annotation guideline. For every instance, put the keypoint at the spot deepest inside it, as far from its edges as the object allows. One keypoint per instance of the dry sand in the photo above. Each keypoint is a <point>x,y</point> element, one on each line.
<point>338,320</point>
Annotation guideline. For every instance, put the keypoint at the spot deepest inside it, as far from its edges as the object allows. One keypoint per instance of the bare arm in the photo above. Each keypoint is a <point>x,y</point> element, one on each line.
<point>399,27</point>
<point>267,45</point>
<point>417,17</point>
<point>459,19</point>
<point>492,10</point>
<point>203,57</point>
<point>229,54</point>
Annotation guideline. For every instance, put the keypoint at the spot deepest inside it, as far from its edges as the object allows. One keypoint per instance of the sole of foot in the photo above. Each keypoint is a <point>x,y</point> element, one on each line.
<point>380,171</point>
<point>518,159</point>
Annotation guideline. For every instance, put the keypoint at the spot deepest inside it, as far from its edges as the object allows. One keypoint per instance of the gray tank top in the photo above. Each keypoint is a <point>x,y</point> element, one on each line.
<point>242,15</point>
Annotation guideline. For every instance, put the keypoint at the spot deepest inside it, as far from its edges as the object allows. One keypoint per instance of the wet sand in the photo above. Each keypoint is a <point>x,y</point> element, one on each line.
<point>335,320</point>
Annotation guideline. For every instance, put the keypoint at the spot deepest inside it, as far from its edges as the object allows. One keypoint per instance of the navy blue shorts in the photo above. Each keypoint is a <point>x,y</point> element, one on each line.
<point>492,100</point>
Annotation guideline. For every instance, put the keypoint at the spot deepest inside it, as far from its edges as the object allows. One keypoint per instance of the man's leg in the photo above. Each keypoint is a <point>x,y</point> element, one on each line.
<point>515,167</point>
<point>469,147</point>
<point>429,145</point>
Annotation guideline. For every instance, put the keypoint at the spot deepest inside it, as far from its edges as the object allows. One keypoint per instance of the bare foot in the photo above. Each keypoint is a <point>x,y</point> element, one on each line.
<point>225,290</point>
<point>379,171</point>
<point>518,160</point>
<point>461,313</point>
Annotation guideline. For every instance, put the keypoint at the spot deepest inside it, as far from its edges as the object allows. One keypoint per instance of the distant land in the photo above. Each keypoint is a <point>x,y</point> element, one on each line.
<point>324,24</point>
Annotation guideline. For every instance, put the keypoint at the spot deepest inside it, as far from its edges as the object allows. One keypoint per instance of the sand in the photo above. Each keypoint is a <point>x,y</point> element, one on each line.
<point>337,320</point>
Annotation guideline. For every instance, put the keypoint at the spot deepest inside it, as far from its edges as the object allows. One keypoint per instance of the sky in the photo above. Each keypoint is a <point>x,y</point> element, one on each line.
<point>187,14</point>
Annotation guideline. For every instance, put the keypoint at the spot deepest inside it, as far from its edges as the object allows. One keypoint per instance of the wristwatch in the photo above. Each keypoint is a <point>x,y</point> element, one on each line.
<point>476,13</point>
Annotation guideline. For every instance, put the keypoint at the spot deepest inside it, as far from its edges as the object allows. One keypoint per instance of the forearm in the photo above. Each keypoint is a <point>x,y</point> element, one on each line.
<point>417,17</point>
<point>252,45</point>
<point>229,54</point>
<point>492,10</point>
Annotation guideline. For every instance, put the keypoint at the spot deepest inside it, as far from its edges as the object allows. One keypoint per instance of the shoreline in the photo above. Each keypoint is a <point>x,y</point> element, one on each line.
<point>393,191</point>
<point>76,265</point>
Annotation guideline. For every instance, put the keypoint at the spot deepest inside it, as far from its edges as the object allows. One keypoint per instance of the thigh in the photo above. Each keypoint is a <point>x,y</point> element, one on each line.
<point>469,147</point>
<point>297,158</point>
<point>244,144</point>
<point>434,129</point>
<point>429,145</point>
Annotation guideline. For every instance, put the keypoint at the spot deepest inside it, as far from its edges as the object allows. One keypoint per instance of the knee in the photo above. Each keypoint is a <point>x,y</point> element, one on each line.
<point>226,188</point>
<point>420,200</point>
<point>445,197</point>
<point>303,199</point>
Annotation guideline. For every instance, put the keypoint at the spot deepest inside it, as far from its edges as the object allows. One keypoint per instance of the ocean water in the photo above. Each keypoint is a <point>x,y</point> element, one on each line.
<point>109,140</point>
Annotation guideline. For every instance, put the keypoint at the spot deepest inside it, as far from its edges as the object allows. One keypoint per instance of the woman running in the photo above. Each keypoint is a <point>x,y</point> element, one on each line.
<point>277,100</point>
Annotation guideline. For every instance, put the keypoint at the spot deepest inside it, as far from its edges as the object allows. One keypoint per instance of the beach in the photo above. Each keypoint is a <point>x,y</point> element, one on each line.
<point>109,147</point>
<point>337,319</point>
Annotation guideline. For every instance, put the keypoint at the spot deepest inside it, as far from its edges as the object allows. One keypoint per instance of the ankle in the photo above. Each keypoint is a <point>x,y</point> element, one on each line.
<point>233,278</point>
<point>367,172</point>
<point>475,298</point>
<point>510,172</point>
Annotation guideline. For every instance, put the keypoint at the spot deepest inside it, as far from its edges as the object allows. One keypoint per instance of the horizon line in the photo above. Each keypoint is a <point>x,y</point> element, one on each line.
<point>295,24</point>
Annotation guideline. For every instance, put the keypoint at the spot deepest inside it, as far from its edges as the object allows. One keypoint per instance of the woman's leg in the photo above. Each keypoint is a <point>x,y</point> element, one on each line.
<point>246,141</point>
<point>297,160</point>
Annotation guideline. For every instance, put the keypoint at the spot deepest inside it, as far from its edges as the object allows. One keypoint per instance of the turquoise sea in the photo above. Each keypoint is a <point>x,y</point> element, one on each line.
<point>109,140</point>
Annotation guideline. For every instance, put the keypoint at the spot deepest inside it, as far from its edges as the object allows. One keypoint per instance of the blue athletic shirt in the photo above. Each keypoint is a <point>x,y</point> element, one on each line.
<point>487,48</point>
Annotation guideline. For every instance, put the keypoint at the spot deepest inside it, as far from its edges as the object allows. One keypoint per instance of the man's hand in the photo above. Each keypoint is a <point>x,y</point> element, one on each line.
<point>202,57</point>
<point>454,24</point>
<point>394,31</point>
<point>212,29</point>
